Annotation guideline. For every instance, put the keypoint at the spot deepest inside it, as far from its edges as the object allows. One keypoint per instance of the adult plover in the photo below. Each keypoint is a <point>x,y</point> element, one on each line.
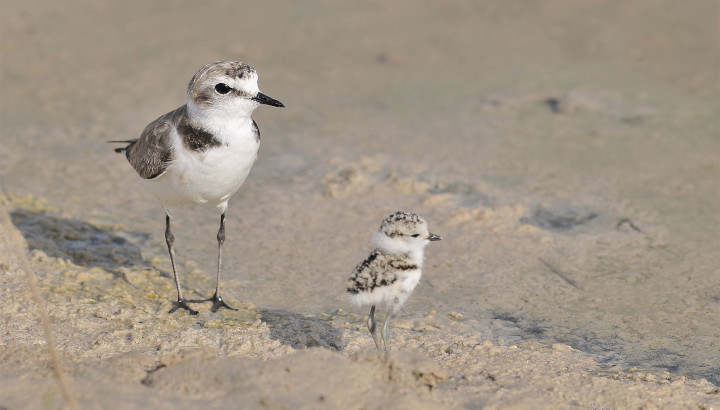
<point>202,152</point>
<point>391,272</point>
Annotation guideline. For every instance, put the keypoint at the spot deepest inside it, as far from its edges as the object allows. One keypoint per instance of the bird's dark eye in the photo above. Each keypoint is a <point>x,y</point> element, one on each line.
<point>416,235</point>
<point>222,88</point>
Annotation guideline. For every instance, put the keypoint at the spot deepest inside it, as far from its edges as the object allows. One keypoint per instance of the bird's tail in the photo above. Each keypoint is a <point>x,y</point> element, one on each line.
<point>128,142</point>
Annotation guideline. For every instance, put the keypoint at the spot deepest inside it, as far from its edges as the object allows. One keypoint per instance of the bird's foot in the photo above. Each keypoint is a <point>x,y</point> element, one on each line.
<point>218,302</point>
<point>184,305</point>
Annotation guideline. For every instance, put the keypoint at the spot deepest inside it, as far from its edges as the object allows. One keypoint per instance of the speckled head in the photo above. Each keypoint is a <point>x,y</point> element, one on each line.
<point>402,232</point>
<point>403,223</point>
<point>222,81</point>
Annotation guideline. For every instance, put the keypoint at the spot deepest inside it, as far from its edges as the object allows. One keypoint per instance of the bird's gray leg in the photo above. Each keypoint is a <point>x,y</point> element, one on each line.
<point>170,240</point>
<point>385,332</point>
<point>373,328</point>
<point>217,300</point>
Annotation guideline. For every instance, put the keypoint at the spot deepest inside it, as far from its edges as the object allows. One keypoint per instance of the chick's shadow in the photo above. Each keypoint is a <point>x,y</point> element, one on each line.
<point>302,331</point>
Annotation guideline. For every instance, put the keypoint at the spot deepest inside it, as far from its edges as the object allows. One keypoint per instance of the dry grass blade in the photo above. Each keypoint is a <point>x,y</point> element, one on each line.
<point>17,241</point>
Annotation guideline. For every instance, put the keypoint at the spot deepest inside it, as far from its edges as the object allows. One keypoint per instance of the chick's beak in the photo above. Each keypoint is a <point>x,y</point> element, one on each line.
<point>264,99</point>
<point>433,237</point>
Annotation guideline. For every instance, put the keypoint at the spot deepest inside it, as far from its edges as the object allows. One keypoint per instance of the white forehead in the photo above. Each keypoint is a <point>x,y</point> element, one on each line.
<point>247,83</point>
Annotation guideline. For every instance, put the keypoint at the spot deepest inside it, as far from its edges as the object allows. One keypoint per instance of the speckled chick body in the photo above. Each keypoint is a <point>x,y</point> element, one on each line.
<point>391,272</point>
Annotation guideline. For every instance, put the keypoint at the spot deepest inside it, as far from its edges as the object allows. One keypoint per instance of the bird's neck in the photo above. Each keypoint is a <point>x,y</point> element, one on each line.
<point>219,121</point>
<point>417,256</point>
<point>388,245</point>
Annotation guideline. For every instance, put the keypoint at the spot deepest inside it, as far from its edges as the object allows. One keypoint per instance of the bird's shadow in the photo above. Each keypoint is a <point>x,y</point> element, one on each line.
<point>85,244</point>
<point>80,242</point>
<point>302,331</point>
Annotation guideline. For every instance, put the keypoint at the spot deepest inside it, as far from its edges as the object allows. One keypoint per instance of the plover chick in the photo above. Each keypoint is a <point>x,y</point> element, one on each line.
<point>388,276</point>
<point>202,152</point>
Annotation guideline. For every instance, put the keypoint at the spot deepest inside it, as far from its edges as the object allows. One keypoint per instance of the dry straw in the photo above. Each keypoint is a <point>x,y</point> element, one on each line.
<point>19,245</point>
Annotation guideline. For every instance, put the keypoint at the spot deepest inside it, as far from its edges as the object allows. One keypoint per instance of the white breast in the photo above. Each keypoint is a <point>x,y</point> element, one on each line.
<point>211,177</point>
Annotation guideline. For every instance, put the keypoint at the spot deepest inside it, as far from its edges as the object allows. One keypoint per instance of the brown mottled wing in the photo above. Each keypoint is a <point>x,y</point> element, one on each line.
<point>379,269</point>
<point>152,152</point>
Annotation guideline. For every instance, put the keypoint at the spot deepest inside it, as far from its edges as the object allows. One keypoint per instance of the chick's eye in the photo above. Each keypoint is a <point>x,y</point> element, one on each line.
<point>416,235</point>
<point>222,88</point>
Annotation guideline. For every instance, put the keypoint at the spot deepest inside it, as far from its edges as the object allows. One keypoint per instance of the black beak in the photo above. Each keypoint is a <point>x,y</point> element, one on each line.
<point>264,99</point>
<point>433,237</point>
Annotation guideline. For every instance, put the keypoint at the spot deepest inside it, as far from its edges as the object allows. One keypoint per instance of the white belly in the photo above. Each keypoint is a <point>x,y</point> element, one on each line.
<point>209,178</point>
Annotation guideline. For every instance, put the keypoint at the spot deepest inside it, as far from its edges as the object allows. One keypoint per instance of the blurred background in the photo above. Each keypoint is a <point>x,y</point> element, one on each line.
<point>567,151</point>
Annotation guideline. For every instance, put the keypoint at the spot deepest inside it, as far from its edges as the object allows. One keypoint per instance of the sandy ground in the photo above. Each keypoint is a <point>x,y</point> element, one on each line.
<point>568,153</point>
